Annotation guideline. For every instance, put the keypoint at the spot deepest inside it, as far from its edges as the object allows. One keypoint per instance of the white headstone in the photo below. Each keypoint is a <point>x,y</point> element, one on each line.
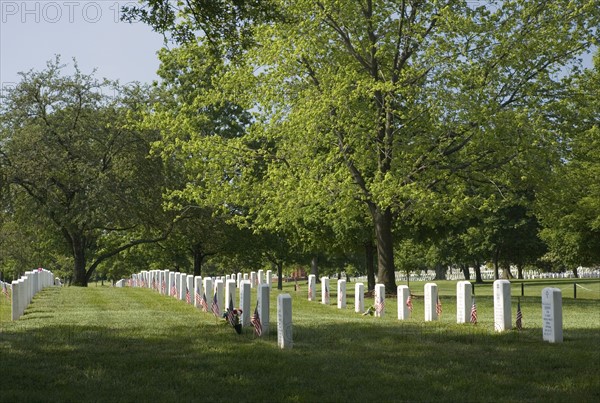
<point>171,285</point>
<point>269,277</point>
<point>189,289</point>
<point>341,294</point>
<point>284,321</point>
<point>379,300</point>
<point>463,301</point>
<point>208,290</point>
<point>359,297</point>
<point>260,276</point>
<point>431,297</point>
<point>246,277</point>
<point>253,279</point>
<point>552,326</point>
<point>263,307</point>
<point>245,294</point>
<point>403,294</point>
<point>325,290</point>
<point>230,294</point>
<point>182,287</point>
<point>220,291</point>
<point>15,298</point>
<point>502,314</point>
<point>198,291</point>
<point>238,279</point>
<point>177,285</point>
<point>312,287</point>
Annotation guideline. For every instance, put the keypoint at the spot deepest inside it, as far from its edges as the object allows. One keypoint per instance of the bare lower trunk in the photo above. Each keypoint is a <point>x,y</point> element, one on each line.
<point>314,267</point>
<point>279,275</point>
<point>478,278</point>
<point>496,268</point>
<point>440,271</point>
<point>370,265</point>
<point>80,277</point>
<point>385,249</point>
<point>520,271</point>
<point>506,274</point>
<point>466,272</point>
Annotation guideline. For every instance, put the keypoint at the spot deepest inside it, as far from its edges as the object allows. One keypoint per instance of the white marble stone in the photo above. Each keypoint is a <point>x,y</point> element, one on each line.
<point>230,291</point>
<point>359,297</point>
<point>198,291</point>
<point>269,277</point>
<point>341,294</point>
<point>312,287</point>
<point>263,307</point>
<point>245,297</point>
<point>325,290</point>
<point>220,291</point>
<point>463,301</point>
<point>552,323</point>
<point>253,279</point>
<point>189,288</point>
<point>379,301</point>
<point>502,314</point>
<point>284,321</point>
<point>260,276</point>
<point>431,297</point>
<point>403,294</point>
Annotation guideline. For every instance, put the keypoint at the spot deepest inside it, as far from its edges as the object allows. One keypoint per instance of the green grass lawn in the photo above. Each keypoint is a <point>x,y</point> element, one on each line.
<point>125,344</point>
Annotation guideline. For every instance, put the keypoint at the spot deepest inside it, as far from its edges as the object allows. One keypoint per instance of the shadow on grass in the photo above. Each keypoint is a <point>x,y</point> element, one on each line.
<point>366,361</point>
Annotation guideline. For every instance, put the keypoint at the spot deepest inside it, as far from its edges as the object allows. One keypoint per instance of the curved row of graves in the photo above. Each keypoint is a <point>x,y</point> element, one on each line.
<point>21,292</point>
<point>219,295</point>
<point>466,308</point>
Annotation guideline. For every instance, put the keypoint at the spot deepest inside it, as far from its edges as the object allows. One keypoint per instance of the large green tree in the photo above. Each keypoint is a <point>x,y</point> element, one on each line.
<point>395,105</point>
<point>67,148</point>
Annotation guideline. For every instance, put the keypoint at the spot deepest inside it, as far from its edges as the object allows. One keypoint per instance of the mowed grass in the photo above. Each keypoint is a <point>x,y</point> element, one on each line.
<point>111,344</point>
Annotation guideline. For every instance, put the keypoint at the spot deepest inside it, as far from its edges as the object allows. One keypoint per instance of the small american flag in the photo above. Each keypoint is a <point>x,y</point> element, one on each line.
<point>255,321</point>
<point>188,297</point>
<point>5,291</point>
<point>154,284</point>
<point>474,312</point>
<point>519,316</point>
<point>379,305</point>
<point>173,290</point>
<point>230,314</point>
<point>204,303</point>
<point>438,307</point>
<point>163,287</point>
<point>215,306</point>
<point>326,294</point>
<point>409,303</point>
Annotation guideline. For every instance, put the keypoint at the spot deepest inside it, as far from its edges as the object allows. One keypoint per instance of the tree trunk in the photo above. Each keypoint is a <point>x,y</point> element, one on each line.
<point>575,272</point>
<point>370,265</point>
<point>478,278</point>
<point>198,257</point>
<point>506,274</point>
<point>314,267</point>
<point>386,272</point>
<point>79,275</point>
<point>440,271</point>
<point>279,275</point>
<point>496,268</point>
<point>520,271</point>
<point>466,272</point>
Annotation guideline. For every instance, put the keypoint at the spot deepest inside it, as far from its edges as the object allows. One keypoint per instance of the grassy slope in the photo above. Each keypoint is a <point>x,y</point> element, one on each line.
<point>109,344</point>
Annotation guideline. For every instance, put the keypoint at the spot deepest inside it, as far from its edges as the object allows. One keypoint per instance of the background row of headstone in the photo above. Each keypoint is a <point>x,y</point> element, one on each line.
<point>465,303</point>
<point>486,274</point>
<point>223,292</point>
<point>26,287</point>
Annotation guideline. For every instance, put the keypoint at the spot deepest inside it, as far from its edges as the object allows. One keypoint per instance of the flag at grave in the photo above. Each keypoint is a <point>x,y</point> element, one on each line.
<point>188,297</point>
<point>519,316</point>
<point>255,321</point>
<point>204,303</point>
<point>229,311</point>
<point>163,286</point>
<point>173,290</point>
<point>326,293</point>
<point>474,312</point>
<point>215,306</point>
<point>198,298</point>
<point>438,307</point>
<point>409,303</point>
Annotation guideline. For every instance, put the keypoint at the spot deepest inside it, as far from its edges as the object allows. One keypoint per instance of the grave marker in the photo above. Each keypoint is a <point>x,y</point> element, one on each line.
<point>379,300</point>
<point>463,301</point>
<point>312,287</point>
<point>284,321</point>
<point>502,314</point>
<point>431,298</point>
<point>403,295</point>
<point>359,297</point>
<point>325,290</point>
<point>245,294</point>
<point>341,294</point>
<point>552,326</point>
<point>263,307</point>
<point>230,294</point>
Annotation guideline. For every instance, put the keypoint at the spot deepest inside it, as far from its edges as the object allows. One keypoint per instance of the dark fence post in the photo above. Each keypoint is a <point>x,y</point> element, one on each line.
<point>574,290</point>
<point>522,289</point>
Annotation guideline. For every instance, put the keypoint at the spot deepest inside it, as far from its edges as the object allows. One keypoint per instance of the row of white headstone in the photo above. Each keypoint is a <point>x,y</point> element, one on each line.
<point>222,291</point>
<point>551,303</point>
<point>26,287</point>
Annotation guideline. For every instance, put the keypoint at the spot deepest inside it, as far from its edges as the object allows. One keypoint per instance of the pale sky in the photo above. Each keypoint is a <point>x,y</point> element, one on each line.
<point>33,31</point>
